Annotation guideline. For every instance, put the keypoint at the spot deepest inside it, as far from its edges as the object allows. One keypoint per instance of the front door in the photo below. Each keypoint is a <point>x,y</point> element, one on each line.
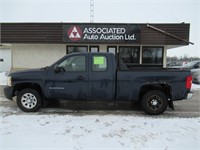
<point>71,82</point>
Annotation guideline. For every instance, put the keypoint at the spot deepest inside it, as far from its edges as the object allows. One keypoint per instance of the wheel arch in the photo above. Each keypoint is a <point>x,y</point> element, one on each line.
<point>20,86</point>
<point>163,87</point>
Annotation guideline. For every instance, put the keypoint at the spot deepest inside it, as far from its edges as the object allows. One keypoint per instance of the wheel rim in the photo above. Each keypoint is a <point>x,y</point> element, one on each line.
<point>29,100</point>
<point>154,102</point>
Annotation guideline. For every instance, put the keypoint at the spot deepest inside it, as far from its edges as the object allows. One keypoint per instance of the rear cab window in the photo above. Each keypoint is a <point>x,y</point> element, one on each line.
<point>99,63</point>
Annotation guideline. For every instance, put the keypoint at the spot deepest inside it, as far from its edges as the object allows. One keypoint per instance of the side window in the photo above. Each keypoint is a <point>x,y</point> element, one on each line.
<point>129,54</point>
<point>74,63</point>
<point>152,55</point>
<point>99,63</point>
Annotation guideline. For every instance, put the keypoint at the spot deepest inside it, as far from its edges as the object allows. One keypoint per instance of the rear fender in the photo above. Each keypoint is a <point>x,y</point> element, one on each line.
<point>161,86</point>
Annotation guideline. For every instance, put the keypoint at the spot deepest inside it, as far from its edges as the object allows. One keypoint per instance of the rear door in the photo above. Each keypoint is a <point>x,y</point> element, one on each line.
<point>101,77</point>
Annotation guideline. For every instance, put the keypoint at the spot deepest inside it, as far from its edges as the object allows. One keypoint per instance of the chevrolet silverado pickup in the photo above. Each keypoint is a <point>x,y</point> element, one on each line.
<point>99,77</point>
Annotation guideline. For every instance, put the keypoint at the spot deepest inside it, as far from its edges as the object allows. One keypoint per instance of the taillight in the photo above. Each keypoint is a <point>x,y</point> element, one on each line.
<point>188,84</point>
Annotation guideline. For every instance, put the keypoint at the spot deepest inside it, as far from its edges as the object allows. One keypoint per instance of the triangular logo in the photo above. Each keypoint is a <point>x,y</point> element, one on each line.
<point>74,33</point>
<point>74,30</point>
<point>71,35</point>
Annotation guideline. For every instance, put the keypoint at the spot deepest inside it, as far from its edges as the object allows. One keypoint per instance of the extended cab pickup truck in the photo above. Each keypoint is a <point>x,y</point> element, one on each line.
<point>96,76</point>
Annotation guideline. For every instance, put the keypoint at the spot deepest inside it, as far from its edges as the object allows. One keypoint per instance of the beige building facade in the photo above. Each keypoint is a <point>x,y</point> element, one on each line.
<point>35,45</point>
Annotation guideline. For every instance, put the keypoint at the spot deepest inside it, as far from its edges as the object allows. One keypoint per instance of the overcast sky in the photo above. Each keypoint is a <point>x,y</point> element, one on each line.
<point>110,11</point>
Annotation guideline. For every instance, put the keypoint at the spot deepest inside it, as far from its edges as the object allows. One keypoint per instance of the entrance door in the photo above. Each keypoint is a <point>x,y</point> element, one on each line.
<point>5,59</point>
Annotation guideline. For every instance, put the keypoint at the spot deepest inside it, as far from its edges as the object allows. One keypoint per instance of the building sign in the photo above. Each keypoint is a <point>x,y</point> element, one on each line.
<point>101,33</point>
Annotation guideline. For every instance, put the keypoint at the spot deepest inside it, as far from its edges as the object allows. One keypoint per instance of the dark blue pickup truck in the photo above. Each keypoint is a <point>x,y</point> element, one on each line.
<point>97,76</point>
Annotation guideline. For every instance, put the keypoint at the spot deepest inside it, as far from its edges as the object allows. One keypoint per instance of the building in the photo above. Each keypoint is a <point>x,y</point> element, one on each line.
<point>32,45</point>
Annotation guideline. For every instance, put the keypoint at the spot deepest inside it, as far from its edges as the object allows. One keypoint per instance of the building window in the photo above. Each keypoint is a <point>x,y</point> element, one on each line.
<point>112,49</point>
<point>152,55</point>
<point>74,63</point>
<point>129,55</point>
<point>94,48</point>
<point>73,49</point>
<point>99,63</point>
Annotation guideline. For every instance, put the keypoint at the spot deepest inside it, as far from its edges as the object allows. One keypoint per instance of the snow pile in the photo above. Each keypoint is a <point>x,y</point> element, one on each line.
<point>61,132</point>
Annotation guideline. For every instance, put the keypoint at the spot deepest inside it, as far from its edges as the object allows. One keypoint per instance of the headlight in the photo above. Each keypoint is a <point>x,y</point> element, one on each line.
<point>9,81</point>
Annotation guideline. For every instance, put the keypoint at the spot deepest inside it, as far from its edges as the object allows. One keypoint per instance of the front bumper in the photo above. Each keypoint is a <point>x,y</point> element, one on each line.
<point>8,92</point>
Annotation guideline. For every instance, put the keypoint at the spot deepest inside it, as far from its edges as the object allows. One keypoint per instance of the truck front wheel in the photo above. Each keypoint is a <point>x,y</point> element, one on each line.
<point>154,102</point>
<point>29,100</point>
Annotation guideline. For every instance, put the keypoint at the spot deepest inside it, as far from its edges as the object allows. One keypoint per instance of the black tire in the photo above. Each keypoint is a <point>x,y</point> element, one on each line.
<point>154,102</point>
<point>29,100</point>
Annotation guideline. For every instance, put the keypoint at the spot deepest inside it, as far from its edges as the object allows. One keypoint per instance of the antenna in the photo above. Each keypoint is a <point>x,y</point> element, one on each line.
<point>91,11</point>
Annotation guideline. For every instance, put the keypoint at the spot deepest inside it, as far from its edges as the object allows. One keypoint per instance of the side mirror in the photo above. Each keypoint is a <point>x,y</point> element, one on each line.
<point>56,69</point>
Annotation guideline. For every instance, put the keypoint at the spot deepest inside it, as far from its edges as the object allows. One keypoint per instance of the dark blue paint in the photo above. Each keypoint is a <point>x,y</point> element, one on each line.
<point>109,85</point>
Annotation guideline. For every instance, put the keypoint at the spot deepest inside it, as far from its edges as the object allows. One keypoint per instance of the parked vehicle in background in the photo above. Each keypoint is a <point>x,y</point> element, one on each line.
<point>196,75</point>
<point>191,65</point>
<point>174,64</point>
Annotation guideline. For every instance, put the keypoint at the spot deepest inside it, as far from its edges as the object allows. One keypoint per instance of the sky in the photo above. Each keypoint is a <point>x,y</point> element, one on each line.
<point>110,11</point>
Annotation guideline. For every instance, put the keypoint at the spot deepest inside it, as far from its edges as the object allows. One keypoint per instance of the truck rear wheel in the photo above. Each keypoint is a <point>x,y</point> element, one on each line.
<point>154,102</point>
<point>29,100</point>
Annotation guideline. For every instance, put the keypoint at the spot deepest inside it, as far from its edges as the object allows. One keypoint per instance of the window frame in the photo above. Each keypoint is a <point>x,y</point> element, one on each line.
<point>112,47</point>
<point>90,48</point>
<point>138,55</point>
<point>143,47</point>
<point>67,51</point>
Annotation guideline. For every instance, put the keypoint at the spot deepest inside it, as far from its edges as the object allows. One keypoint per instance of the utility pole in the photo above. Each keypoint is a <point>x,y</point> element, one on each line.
<point>91,11</point>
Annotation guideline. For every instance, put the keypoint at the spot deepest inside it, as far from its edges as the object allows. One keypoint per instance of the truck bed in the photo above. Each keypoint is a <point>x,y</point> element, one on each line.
<point>130,82</point>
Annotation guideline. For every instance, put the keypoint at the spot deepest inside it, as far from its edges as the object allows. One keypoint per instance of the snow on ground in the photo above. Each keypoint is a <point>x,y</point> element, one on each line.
<point>63,132</point>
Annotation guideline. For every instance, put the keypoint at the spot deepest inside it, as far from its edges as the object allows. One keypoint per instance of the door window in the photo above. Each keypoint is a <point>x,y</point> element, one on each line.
<point>99,63</point>
<point>74,63</point>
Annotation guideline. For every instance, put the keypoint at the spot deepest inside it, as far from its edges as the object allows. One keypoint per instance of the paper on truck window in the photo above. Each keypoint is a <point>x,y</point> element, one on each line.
<point>98,60</point>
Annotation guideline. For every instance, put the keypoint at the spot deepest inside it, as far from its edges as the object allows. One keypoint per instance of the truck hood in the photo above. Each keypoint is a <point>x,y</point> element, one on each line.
<point>25,71</point>
<point>28,75</point>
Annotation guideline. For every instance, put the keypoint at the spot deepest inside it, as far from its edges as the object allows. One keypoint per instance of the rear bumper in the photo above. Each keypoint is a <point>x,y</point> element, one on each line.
<point>8,92</point>
<point>189,95</point>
